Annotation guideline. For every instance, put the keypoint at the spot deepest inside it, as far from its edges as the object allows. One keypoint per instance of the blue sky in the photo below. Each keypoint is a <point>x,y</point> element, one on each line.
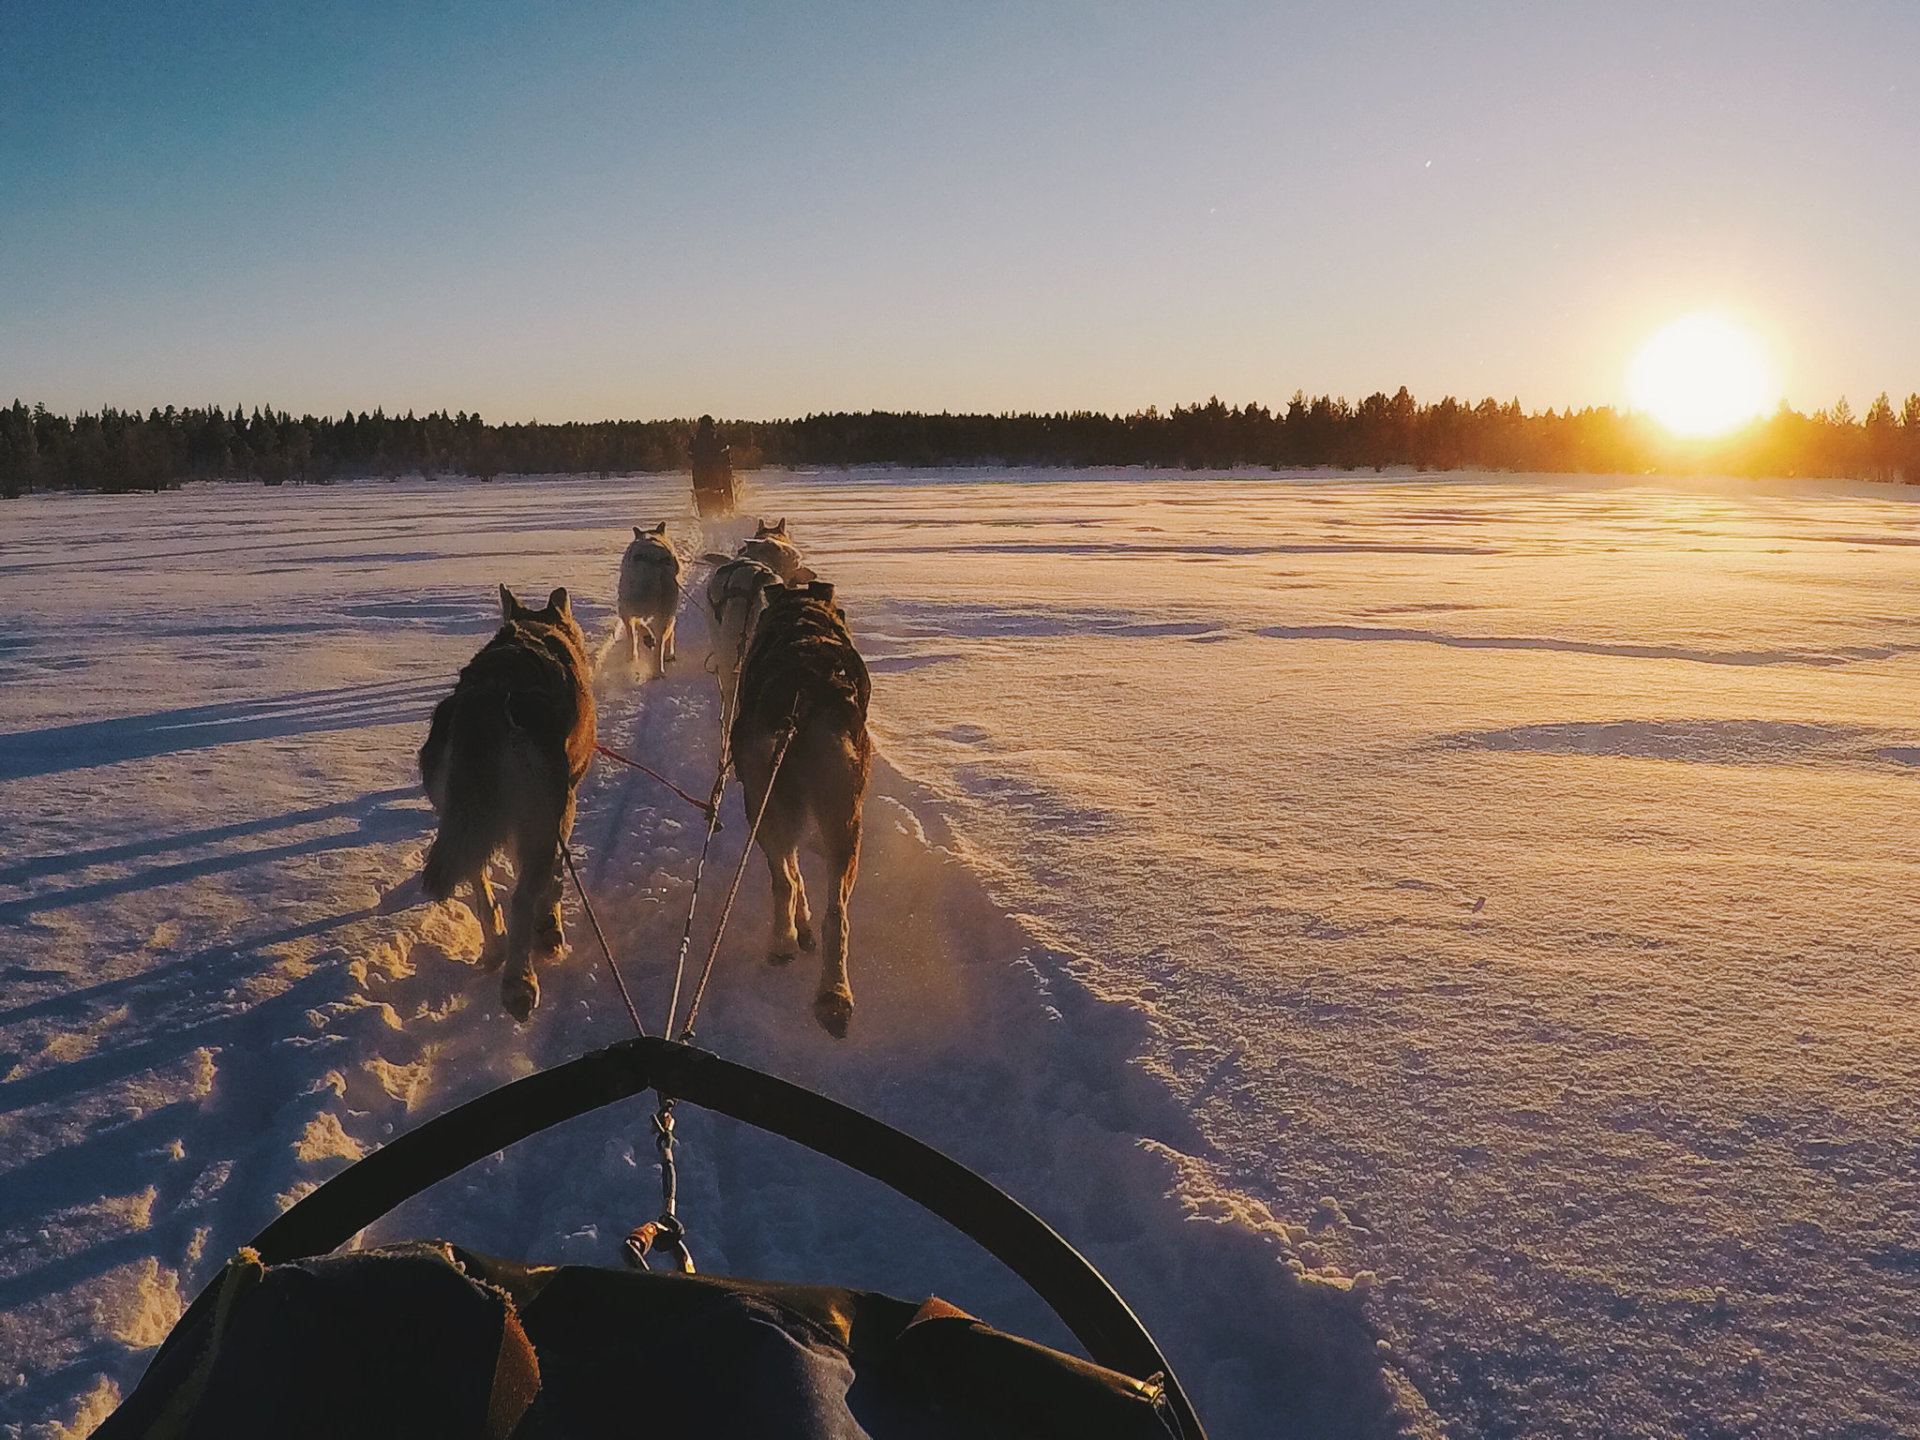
<point>579,210</point>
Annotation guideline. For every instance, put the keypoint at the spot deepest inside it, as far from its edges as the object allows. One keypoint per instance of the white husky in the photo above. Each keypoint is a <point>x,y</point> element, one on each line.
<point>649,595</point>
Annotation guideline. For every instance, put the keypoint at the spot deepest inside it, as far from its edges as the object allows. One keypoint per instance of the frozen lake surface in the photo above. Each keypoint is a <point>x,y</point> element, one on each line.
<point>1498,889</point>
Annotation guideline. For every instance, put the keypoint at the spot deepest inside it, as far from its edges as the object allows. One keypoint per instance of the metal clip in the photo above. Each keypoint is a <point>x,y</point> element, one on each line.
<point>667,1233</point>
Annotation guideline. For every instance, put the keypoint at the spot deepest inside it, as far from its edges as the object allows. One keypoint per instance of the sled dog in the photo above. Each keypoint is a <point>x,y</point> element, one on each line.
<point>504,754</point>
<point>772,547</point>
<point>803,675</point>
<point>649,595</point>
<point>736,594</point>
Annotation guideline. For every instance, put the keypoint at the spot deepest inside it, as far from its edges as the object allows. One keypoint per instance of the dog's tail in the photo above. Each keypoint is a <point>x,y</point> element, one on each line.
<point>467,797</point>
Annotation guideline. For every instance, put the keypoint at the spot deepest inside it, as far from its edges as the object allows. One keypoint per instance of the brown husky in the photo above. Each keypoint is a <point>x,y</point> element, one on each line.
<point>504,754</point>
<point>803,675</point>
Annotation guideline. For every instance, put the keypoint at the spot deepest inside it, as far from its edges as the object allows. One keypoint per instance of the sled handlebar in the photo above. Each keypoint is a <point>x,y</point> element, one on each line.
<point>363,1192</point>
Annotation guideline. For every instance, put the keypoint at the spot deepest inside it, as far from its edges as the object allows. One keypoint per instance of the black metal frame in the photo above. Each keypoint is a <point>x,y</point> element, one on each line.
<point>1059,1274</point>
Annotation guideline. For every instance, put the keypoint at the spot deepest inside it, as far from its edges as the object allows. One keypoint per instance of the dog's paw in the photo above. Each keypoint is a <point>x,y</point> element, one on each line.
<point>834,1010</point>
<point>804,934</point>
<point>520,993</point>
<point>552,935</point>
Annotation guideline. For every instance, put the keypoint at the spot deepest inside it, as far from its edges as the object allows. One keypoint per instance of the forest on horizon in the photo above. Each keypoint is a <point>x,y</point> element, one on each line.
<point>123,450</point>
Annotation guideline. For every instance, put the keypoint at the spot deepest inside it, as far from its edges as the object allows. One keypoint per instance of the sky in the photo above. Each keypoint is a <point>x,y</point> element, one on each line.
<point>591,210</point>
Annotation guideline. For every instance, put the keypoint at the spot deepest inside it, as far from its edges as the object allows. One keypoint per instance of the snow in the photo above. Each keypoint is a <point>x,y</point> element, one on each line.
<point>1442,946</point>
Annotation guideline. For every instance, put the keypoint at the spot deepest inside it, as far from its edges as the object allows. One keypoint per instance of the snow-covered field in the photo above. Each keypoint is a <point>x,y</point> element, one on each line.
<point>1501,889</point>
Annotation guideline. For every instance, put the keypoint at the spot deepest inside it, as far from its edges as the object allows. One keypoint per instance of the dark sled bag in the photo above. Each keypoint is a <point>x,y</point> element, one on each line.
<point>428,1339</point>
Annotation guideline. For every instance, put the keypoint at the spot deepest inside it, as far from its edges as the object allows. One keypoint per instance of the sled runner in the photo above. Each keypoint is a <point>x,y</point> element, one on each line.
<point>426,1338</point>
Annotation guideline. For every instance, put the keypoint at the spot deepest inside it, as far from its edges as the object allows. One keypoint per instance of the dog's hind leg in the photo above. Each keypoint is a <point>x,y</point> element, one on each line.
<point>837,766</point>
<point>657,641</point>
<point>833,1000</point>
<point>802,912</point>
<point>779,834</point>
<point>486,909</point>
<point>550,934</point>
<point>533,915</point>
<point>666,642</point>
<point>780,821</point>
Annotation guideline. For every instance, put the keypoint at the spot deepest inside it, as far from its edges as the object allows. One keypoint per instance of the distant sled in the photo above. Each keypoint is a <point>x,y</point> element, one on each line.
<point>426,1338</point>
<point>713,490</point>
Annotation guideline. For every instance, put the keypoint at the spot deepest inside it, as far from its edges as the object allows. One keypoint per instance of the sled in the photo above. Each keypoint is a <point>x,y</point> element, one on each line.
<point>713,490</point>
<point>428,1338</point>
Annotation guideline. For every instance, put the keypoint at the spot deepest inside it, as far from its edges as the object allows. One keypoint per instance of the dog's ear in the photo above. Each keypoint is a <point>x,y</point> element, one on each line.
<point>804,576</point>
<point>509,605</point>
<point>780,529</point>
<point>661,528</point>
<point>638,533</point>
<point>558,601</point>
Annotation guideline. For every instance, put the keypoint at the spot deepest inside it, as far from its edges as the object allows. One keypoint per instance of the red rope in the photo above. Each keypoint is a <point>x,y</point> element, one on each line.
<point>700,805</point>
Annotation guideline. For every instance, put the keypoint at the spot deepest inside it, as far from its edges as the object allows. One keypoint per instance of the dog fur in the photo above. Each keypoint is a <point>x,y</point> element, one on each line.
<point>504,755</point>
<point>773,548</point>
<point>649,595</point>
<point>802,671</point>
<point>736,594</point>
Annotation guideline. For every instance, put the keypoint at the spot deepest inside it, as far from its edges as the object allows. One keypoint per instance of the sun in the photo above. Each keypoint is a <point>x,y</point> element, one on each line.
<point>1702,375</point>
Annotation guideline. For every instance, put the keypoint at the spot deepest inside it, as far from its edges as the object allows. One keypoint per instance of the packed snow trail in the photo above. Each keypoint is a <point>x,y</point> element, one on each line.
<point>241,991</point>
<point>1510,882</point>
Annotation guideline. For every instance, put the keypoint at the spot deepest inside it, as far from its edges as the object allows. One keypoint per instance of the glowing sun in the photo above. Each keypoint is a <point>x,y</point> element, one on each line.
<point>1701,375</point>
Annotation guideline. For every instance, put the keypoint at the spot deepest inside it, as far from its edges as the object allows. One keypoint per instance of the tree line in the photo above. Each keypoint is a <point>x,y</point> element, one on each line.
<point>123,450</point>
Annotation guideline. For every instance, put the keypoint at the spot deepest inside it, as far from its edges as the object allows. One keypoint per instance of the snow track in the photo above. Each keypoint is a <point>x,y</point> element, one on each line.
<point>1509,882</point>
<point>222,987</point>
